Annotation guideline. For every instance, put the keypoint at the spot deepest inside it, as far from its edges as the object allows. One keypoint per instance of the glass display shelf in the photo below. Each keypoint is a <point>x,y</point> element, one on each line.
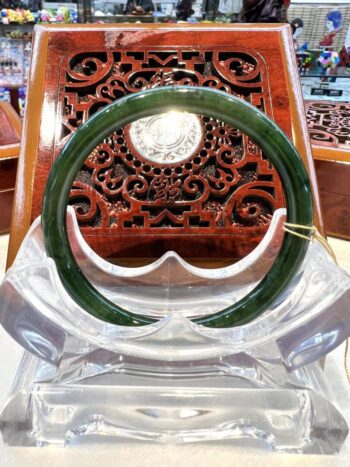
<point>13,69</point>
<point>323,83</point>
<point>316,71</point>
<point>316,88</point>
<point>7,29</point>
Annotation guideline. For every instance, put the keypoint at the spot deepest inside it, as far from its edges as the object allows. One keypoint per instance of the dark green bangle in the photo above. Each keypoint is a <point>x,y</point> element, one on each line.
<point>216,104</point>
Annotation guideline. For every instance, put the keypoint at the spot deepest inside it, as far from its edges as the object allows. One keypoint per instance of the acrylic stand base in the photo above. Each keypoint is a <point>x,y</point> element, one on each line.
<point>288,412</point>
<point>83,380</point>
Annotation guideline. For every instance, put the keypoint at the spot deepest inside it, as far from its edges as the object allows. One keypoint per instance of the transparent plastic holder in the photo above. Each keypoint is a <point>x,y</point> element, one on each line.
<point>174,380</point>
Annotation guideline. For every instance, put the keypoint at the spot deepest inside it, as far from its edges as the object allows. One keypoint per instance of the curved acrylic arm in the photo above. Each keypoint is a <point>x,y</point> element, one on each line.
<point>233,111</point>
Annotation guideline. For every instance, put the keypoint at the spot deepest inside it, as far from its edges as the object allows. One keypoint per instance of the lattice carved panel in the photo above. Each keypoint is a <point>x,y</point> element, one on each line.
<point>199,198</point>
<point>329,123</point>
<point>223,185</point>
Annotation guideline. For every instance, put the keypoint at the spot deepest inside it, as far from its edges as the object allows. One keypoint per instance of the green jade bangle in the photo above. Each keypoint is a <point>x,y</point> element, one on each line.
<point>204,101</point>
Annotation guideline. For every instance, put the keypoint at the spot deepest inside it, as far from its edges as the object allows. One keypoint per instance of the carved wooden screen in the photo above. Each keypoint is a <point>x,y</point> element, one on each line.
<point>221,186</point>
<point>329,124</point>
<point>329,128</point>
<point>213,197</point>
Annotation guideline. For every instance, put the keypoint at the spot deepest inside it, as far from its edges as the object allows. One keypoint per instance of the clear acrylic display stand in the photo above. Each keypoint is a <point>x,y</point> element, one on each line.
<point>84,380</point>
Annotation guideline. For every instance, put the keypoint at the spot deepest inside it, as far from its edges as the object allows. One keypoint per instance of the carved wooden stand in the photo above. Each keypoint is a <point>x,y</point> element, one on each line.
<point>216,202</point>
<point>329,127</point>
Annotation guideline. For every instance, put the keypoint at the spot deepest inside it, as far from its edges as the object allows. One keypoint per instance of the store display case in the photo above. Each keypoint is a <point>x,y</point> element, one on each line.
<point>328,116</point>
<point>321,37</point>
<point>329,129</point>
<point>12,62</point>
<point>321,41</point>
<point>121,11</point>
<point>14,69</point>
<point>314,17</point>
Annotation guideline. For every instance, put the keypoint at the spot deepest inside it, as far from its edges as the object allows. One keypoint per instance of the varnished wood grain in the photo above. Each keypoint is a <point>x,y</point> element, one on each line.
<point>10,125</point>
<point>6,203</point>
<point>334,182</point>
<point>8,169</point>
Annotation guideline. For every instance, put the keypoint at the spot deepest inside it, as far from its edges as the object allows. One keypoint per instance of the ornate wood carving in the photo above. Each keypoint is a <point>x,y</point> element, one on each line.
<point>223,185</point>
<point>329,123</point>
<point>329,128</point>
<point>131,201</point>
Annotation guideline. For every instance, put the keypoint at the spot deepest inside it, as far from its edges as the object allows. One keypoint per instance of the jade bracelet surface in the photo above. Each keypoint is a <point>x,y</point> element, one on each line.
<point>216,104</point>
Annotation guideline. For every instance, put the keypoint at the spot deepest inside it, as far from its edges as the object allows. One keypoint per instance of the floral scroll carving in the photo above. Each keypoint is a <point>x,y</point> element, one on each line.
<point>328,123</point>
<point>225,185</point>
